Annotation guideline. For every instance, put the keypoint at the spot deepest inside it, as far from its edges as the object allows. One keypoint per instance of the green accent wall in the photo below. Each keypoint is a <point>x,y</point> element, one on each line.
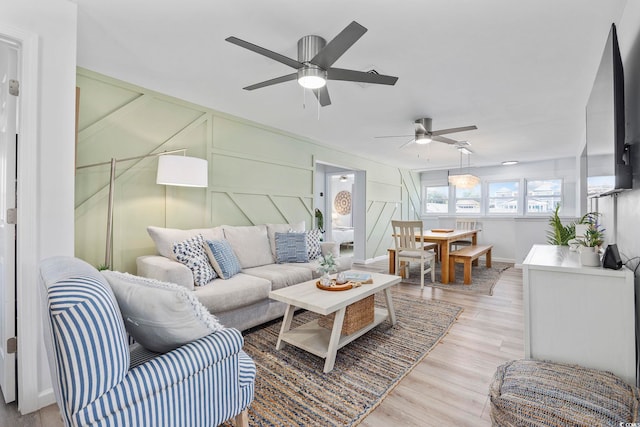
<point>257,174</point>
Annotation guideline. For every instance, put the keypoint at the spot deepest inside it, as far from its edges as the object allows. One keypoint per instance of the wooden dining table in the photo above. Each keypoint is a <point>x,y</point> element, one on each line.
<point>444,238</point>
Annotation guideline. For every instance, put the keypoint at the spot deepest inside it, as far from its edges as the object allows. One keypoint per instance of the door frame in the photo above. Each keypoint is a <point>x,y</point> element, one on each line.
<point>29,332</point>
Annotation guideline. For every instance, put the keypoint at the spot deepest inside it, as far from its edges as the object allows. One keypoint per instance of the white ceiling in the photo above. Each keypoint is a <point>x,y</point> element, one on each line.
<point>519,70</point>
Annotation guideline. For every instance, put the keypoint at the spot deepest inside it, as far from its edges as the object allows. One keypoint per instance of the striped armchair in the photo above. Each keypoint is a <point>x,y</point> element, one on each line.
<point>203,383</point>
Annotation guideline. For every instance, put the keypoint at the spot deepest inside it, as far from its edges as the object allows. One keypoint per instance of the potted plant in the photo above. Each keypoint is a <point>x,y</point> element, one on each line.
<point>591,240</point>
<point>560,234</point>
<point>327,264</point>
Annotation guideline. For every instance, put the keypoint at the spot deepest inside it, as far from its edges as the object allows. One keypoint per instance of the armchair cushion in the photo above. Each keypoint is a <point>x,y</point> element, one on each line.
<point>160,316</point>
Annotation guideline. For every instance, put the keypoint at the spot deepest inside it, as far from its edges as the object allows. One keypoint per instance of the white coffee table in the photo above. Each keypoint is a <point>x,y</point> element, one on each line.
<point>321,341</point>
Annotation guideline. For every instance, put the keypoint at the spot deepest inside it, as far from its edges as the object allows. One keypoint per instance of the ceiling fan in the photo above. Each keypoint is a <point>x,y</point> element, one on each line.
<point>424,135</point>
<point>315,60</point>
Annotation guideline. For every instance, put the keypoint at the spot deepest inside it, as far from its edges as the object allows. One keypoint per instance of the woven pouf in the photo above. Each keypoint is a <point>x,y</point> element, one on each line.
<point>532,393</point>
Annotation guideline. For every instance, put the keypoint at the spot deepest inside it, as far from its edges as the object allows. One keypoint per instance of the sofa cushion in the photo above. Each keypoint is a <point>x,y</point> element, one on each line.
<point>160,316</point>
<point>192,253</point>
<point>239,291</point>
<point>272,229</point>
<point>222,258</point>
<point>164,238</point>
<point>281,275</point>
<point>313,243</point>
<point>250,244</point>
<point>291,247</point>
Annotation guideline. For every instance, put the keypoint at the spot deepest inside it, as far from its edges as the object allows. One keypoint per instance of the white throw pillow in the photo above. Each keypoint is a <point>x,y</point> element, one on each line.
<point>250,244</point>
<point>160,316</point>
<point>164,238</point>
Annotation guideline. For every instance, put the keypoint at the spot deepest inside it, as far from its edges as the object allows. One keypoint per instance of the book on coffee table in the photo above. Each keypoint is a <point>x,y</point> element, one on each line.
<point>356,276</point>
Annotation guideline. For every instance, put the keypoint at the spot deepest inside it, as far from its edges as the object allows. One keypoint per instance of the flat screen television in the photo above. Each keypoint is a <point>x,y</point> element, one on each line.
<point>608,157</point>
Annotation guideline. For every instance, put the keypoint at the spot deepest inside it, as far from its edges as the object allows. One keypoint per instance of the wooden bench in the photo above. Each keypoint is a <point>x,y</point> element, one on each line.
<point>466,256</point>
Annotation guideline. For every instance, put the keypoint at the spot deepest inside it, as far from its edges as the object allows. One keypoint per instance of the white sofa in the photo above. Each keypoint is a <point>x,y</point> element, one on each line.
<point>241,301</point>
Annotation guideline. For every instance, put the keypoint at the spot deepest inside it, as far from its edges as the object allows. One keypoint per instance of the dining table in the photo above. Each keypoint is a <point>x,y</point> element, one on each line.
<point>443,237</point>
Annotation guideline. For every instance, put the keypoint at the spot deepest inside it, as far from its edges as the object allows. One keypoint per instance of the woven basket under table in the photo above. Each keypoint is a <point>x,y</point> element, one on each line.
<point>358,315</point>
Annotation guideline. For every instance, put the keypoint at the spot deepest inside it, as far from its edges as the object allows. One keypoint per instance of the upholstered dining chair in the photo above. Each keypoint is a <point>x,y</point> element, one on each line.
<point>98,382</point>
<point>464,224</point>
<point>411,249</point>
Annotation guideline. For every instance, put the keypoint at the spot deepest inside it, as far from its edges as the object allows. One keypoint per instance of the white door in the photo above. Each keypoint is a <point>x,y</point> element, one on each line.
<point>8,108</point>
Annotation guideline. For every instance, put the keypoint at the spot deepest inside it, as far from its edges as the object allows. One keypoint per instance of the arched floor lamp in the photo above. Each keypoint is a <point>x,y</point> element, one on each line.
<point>173,170</point>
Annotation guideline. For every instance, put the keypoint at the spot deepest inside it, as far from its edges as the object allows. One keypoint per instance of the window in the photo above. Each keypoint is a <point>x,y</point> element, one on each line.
<point>597,185</point>
<point>543,195</point>
<point>504,197</point>
<point>436,200</point>
<point>468,200</point>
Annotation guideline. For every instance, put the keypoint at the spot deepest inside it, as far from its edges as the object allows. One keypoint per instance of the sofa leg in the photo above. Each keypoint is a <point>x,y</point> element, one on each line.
<point>242,419</point>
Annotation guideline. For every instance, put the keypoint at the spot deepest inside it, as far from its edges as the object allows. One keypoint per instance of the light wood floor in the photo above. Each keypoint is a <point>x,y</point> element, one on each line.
<point>449,387</point>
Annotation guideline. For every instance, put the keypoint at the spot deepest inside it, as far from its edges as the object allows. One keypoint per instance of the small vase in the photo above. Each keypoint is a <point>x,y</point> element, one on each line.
<point>325,279</point>
<point>589,257</point>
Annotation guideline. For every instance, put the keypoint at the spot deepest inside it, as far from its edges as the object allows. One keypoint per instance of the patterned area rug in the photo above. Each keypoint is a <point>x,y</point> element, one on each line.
<point>292,390</point>
<point>483,279</point>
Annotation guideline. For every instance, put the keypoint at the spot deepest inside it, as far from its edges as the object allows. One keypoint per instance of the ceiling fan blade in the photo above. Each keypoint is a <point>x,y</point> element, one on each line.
<point>275,81</point>
<point>393,136</point>
<point>265,52</point>
<point>407,143</point>
<point>339,45</point>
<point>444,139</point>
<point>453,130</point>
<point>360,76</point>
<point>323,96</point>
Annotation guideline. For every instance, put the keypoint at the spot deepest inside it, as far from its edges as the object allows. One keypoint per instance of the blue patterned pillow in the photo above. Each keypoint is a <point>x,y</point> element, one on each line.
<point>313,243</point>
<point>291,247</point>
<point>223,258</point>
<point>191,253</point>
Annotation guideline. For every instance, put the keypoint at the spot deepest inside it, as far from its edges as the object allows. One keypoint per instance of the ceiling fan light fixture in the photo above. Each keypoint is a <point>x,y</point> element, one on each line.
<point>312,77</point>
<point>423,139</point>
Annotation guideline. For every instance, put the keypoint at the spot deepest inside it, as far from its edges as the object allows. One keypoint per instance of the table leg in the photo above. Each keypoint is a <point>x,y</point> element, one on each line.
<point>392,261</point>
<point>336,332</point>
<point>390,309</point>
<point>444,263</point>
<point>286,324</point>
<point>474,241</point>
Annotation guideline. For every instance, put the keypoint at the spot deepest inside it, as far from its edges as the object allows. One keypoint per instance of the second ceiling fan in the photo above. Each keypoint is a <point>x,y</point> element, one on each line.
<point>424,135</point>
<point>314,64</point>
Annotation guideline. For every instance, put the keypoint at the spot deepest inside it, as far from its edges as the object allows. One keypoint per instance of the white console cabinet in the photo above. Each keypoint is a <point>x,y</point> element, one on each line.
<point>580,315</point>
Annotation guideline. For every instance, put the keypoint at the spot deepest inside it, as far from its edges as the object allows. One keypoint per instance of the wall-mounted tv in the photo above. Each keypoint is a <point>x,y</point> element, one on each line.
<point>608,157</point>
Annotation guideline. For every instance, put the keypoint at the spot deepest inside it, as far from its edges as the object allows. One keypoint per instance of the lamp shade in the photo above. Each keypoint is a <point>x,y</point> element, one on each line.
<point>464,181</point>
<point>182,171</point>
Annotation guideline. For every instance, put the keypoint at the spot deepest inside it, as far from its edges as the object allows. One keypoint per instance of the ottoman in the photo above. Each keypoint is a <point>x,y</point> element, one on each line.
<point>534,393</point>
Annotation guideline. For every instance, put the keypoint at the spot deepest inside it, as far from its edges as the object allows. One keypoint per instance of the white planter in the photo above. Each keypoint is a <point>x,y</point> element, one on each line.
<point>589,257</point>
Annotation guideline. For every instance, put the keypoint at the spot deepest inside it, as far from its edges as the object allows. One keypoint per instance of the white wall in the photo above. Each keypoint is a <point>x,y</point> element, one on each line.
<point>46,169</point>
<point>513,236</point>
